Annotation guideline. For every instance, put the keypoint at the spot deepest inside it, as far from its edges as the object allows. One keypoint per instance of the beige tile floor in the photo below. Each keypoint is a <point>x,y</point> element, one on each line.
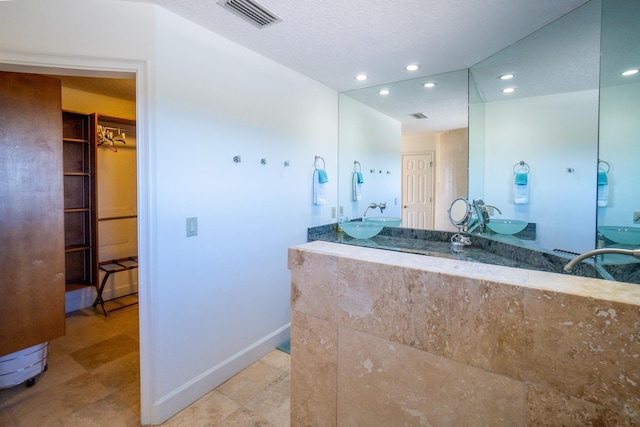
<point>93,380</point>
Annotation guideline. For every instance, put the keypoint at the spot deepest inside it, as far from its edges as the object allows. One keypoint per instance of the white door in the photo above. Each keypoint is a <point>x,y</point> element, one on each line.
<point>417,190</point>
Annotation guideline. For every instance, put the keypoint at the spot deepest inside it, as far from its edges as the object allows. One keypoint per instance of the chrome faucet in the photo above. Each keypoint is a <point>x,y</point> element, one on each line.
<point>576,260</point>
<point>382,207</point>
<point>371,206</point>
<point>494,207</point>
<point>481,212</point>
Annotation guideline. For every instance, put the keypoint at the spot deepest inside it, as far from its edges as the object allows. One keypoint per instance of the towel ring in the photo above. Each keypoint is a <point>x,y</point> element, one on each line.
<point>356,166</point>
<point>315,162</point>
<point>606,163</point>
<point>521,166</point>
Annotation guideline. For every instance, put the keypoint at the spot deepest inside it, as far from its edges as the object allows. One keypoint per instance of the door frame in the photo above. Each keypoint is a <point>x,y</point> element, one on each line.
<point>101,67</point>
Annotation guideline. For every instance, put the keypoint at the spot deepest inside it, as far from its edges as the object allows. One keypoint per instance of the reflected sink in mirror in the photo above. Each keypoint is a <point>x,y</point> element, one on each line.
<point>361,229</point>
<point>622,235</point>
<point>387,221</point>
<point>506,226</point>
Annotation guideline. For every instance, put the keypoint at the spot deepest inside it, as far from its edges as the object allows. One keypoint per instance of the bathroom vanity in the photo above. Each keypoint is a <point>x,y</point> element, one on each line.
<point>518,250</point>
<point>385,337</point>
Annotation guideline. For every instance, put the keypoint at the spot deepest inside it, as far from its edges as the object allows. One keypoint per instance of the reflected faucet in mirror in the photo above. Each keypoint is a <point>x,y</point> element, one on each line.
<point>632,252</point>
<point>482,214</point>
<point>382,207</point>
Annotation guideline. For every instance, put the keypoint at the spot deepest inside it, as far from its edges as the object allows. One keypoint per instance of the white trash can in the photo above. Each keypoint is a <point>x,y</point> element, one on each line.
<point>23,366</point>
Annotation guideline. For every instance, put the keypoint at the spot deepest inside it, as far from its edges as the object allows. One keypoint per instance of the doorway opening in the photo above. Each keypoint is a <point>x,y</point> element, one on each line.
<point>135,72</point>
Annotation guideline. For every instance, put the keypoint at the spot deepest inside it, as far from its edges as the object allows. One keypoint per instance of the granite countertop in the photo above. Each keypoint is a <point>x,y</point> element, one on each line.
<point>497,250</point>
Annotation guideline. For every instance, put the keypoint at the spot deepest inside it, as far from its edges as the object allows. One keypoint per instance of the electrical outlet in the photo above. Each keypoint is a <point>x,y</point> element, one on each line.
<point>192,227</point>
<point>636,217</point>
<point>341,210</point>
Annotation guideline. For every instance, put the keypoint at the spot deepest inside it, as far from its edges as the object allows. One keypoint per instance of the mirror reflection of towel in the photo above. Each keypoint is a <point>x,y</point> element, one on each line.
<point>356,185</point>
<point>320,180</point>
<point>322,176</point>
<point>603,189</point>
<point>521,188</point>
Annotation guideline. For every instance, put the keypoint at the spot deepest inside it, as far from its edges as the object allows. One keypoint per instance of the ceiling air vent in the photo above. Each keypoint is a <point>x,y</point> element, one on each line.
<point>251,11</point>
<point>419,116</point>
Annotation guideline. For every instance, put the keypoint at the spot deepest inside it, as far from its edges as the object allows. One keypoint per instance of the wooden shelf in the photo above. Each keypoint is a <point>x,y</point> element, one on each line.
<point>80,199</point>
<point>76,248</point>
<point>76,140</point>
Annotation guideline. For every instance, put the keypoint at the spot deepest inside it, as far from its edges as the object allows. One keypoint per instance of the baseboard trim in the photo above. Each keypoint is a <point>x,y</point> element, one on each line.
<point>178,399</point>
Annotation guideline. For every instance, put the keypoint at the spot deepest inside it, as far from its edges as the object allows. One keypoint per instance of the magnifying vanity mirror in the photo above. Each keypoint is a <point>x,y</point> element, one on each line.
<point>460,212</point>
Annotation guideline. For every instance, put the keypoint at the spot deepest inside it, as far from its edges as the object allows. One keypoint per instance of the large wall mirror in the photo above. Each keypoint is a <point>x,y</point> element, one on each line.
<point>408,140</point>
<point>536,102</point>
<point>570,116</point>
<point>618,212</point>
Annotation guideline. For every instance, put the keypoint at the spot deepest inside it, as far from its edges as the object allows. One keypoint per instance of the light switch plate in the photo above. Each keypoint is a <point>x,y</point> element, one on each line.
<point>192,227</point>
<point>333,212</point>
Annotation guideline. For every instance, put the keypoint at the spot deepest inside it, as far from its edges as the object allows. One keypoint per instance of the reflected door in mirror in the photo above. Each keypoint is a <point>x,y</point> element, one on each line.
<point>417,190</point>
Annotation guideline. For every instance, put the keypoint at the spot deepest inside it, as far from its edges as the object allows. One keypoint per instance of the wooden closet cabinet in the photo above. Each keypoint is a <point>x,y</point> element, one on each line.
<point>80,200</point>
<point>32,298</point>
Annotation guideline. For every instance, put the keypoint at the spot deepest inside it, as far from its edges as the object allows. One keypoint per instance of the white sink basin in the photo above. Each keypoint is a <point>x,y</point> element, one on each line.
<point>361,229</point>
<point>622,235</point>
<point>506,226</point>
<point>387,221</point>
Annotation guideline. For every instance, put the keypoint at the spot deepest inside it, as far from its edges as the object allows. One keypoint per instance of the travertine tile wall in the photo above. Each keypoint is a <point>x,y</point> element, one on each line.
<point>386,338</point>
<point>452,174</point>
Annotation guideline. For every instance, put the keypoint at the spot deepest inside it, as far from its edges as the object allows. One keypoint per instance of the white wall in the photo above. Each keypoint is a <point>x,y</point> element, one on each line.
<point>419,143</point>
<point>551,134</point>
<point>619,146</point>
<point>228,288</point>
<point>214,303</point>
<point>374,140</point>
<point>476,146</point>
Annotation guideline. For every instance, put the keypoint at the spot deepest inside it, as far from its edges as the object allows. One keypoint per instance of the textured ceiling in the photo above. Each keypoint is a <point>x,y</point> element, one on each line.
<point>331,41</point>
<point>445,105</point>
<point>562,57</point>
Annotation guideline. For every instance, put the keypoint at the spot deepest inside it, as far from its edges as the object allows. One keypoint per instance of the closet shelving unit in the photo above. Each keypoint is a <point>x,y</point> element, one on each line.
<point>80,200</point>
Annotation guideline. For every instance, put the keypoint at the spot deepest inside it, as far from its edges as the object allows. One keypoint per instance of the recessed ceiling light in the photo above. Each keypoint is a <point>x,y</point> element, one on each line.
<point>630,72</point>
<point>361,77</point>
<point>383,91</point>
<point>429,84</point>
<point>509,90</point>
<point>507,76</point>
<point>412,67</point>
